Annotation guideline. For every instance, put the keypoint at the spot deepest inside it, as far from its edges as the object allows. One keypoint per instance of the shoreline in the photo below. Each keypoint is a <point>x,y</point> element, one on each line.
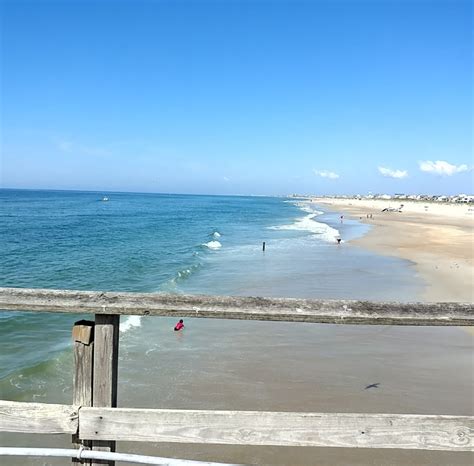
<point>437,239</point>
<point>281,366</point>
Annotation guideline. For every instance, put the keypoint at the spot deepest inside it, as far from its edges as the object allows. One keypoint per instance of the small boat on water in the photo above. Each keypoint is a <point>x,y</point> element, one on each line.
<point>105,198</point>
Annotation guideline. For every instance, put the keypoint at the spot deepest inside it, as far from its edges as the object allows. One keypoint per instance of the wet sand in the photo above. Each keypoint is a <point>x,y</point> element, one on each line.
<point>438,240</point>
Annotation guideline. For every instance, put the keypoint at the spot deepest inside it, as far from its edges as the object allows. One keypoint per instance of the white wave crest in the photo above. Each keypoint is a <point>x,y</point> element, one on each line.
<point>321,230</point>
<point>306,206</point>
<point>184,273</point>
<point>216,234</point>
<point>132,321</point>
<point>213,245</point>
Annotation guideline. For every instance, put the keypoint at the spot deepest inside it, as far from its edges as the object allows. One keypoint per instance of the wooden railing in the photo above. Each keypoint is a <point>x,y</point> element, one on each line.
<point>95,422</point>
<point>233,307</point>
<point>407,431</point>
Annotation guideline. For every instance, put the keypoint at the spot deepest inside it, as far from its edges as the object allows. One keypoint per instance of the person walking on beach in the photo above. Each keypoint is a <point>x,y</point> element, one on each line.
<point>179,326</point>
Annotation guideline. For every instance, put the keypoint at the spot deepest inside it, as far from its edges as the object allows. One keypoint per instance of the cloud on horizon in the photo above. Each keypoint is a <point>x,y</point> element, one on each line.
<point>388,172</point>
<point>326,174</point>
<point>441,167</point>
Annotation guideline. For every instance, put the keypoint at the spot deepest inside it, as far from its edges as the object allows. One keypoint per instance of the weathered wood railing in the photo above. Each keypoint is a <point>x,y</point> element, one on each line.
<point>407,431</point>
<point>244,308</point>
<point>94,417</point>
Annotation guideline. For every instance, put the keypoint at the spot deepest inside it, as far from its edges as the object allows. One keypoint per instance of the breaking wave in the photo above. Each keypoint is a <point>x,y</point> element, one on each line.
<point>131,322</point>
<point>307,223</point>
<point>212,245</point>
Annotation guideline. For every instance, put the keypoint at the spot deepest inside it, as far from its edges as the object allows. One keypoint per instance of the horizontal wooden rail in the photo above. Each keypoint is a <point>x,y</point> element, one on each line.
<point>404,431</point>
<point>38,418</point>
<point>245,308</point>
<point>423,432</point>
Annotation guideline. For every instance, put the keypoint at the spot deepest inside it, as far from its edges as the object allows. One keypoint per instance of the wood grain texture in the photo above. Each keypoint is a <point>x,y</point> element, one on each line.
<point>348,430</point>
<point>245,308</point>
<point>83,331</point>
<point>104,393</point>
<point>403,431</point>
<point>83,351</point>
<point>38,418</point>
<point>106,347</point>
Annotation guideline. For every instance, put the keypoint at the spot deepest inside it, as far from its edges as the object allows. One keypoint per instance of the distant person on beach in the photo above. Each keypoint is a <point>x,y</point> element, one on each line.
<point>179,326</point>
<point>342,218</point>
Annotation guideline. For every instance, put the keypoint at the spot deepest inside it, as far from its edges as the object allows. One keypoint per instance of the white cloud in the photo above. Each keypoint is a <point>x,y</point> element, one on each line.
<point>393,173</point>
<point>441,167</point>
<point>326,174</point>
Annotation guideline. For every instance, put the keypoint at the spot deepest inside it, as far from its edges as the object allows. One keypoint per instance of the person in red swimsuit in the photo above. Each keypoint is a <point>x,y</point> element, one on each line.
<point>179,326</point>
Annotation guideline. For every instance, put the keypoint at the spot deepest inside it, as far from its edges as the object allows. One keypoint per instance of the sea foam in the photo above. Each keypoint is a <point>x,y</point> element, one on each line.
<point>131,322</point>
<point>216,234</point>
<point>307,223</point>
<point>213,245</point>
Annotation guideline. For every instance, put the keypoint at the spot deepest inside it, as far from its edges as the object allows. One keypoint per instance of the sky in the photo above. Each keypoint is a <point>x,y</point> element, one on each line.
<point>237,97</point>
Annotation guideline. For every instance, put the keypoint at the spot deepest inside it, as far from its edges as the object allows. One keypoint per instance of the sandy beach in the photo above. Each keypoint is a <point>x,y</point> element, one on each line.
<point>437,238</point>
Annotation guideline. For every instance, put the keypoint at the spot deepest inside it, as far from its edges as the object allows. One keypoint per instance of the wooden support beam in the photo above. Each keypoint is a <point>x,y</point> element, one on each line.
<point>104,393</point>
<point>403,431</point>
<point>38,418</point>
<point>83,350</point>
<point>236,307</point>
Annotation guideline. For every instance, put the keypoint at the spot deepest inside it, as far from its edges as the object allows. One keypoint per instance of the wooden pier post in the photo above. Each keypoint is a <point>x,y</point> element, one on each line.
<point>104,393</point>
<point>83,349</point>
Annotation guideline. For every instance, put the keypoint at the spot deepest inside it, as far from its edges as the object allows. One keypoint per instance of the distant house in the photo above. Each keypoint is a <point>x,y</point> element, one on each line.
<point>464,199</point>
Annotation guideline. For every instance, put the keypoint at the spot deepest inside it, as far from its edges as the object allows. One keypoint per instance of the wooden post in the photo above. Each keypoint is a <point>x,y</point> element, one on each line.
<point>83,341</point>
<point>263,246</point>
<point>104,393</point>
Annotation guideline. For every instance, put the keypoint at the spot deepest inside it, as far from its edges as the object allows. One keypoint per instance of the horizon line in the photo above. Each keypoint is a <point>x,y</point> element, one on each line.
<point>105,191</point>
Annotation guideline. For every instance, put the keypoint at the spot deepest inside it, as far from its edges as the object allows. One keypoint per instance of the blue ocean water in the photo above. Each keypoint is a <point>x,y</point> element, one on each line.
<point>168,243</point>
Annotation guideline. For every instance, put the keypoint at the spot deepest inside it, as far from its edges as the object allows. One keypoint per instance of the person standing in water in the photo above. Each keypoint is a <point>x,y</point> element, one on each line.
<point>179,326</point>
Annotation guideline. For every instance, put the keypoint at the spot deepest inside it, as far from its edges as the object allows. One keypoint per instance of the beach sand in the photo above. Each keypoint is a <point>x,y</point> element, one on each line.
<point>437,238</point>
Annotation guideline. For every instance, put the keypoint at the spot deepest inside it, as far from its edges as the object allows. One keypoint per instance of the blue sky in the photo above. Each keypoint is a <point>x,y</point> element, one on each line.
<point>238,97</point>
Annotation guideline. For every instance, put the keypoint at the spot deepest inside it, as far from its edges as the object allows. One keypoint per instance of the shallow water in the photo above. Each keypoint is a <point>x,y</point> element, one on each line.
<point>172,243</point>
<point>213,245</point>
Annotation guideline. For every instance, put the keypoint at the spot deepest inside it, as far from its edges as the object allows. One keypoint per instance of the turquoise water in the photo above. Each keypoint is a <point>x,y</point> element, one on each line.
<point>167,243</point>
<point>211,244</point>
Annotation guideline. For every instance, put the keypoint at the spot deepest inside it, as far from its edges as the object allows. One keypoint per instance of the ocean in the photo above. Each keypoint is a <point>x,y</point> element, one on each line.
<point>213,245</point>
